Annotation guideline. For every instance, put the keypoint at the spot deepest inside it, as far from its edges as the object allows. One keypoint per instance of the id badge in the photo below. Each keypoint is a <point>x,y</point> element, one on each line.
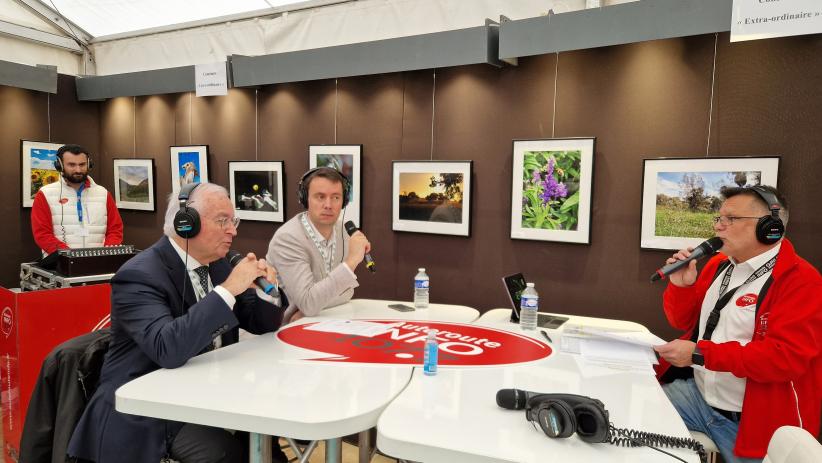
<point>83,231</point>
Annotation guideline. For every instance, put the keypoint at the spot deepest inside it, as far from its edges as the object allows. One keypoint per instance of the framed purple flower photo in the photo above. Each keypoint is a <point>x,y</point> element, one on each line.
<point>551,189</point>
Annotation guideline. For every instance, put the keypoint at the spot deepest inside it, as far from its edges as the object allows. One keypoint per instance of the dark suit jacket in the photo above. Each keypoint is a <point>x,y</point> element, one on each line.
<point>155,326</point>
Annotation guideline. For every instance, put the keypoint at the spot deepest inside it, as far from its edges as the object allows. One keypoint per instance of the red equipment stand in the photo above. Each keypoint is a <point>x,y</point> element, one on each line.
<point>32,324</point>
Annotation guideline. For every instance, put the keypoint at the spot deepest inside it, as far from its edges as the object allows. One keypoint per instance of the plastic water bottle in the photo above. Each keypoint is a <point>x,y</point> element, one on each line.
<point>421,287</point>
<point>528,308</point>
<point>429,363</point>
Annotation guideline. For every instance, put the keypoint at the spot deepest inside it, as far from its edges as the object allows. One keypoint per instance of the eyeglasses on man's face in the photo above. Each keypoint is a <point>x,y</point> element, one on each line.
<point>224,222</point>
<point>728,220</point>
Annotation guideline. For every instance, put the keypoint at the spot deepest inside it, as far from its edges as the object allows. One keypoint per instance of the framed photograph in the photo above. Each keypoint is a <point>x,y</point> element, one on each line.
<point>432,197</point>
<point>551,189</point>
<point>37,162</point>
<point>256,189</point>
<point>134,184</point>
<point>189,164</point>
<point>680,196</point>
<point>346,159</point>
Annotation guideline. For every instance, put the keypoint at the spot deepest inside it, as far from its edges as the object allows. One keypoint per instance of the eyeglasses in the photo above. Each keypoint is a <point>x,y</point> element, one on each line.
<point>224,221</point>
<point>728,220</point>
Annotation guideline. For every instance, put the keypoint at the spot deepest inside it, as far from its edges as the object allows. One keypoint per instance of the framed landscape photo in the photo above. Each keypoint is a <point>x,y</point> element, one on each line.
<point>37,163</point>
<point>134,184</point>
<point>551,189</point>
<point>680,196</point>
<point>256,189</point>
<point>347,159</point>
<point>432,197</point>
<point>189,164</point>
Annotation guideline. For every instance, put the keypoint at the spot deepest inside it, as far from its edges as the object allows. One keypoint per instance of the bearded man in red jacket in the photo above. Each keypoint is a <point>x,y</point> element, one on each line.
<point>753,322</point>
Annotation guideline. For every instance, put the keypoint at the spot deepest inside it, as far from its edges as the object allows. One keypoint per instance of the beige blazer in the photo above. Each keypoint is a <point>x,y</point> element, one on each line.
<point>302,270</point>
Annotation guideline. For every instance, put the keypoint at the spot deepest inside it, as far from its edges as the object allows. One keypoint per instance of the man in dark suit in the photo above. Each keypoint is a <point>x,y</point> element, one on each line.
<point>171,302</point>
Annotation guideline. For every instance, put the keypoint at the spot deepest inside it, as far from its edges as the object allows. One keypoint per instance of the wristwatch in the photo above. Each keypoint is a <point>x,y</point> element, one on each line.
<point>697,358</point>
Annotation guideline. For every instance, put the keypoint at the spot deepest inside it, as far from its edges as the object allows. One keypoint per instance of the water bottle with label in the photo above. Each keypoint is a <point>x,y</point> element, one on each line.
<point>528,308</point>
<point>421,287</point>
<point>429,363</point>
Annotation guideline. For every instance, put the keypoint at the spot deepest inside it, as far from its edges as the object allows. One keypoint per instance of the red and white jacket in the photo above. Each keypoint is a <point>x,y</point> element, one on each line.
<point>783,361</point>
<point>55,219</point>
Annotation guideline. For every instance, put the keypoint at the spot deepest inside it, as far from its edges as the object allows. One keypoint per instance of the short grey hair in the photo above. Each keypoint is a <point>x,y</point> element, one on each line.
<point>195,201</point>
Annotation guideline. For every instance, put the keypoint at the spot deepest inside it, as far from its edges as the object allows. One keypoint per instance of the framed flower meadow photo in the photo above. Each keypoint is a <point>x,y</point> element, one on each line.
<point>432,197</point>
<point>680,196</point>
<point>551,189</point>
<point>37,165</point>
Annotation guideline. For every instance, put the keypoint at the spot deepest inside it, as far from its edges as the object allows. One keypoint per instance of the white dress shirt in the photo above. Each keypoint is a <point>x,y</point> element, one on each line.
<point>736,323</point>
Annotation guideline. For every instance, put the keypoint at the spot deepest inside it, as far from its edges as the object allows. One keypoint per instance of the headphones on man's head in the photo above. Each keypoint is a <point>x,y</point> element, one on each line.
<point>560,415</point>
<point>58,163</point>
<point>187,219</point>
<point>305,180</point>
<point>770,228</point>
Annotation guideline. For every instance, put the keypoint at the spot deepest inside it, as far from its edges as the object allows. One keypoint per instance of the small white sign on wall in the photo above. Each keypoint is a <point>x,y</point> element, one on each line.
<point>765,19</point>
<point>210,79</point>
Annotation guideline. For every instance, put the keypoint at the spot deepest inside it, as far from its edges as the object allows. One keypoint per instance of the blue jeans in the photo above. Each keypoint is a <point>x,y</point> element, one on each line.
<point>699,416</point>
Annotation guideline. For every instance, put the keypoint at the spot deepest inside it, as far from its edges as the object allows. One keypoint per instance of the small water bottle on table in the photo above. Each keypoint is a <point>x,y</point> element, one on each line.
<point>421,287</point>
<point>429,363</point>
<point>528,308</point>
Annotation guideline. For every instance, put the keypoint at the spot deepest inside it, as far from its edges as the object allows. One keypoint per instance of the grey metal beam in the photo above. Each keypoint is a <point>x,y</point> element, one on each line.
<point>426,51</point>
<point>156,82</point>
<point>56,19</point>
<point>613,25</point>
<point>42,79</point>
<point>44,38</point>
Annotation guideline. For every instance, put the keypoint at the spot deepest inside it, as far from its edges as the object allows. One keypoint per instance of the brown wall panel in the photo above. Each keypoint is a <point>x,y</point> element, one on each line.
<point>643,100</point>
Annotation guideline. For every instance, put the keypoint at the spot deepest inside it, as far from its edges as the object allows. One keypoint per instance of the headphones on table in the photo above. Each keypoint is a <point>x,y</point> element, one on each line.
<point>305,180</point>
<point>770,228</point>
<point>187,219</point>
<point>561,415</point>
<point>58,163</point>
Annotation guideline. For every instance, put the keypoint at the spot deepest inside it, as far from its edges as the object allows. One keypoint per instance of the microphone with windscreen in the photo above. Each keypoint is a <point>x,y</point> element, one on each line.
<point>514,399</point>
<point>267,287</point>
<point>369,261</point>
<point>707,248</point>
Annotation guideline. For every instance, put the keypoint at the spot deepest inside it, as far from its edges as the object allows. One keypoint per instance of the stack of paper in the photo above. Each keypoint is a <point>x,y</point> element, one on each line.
<point>626,350</point>
<point>360,328</point>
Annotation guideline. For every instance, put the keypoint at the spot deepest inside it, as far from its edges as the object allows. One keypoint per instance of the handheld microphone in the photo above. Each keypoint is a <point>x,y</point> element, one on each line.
<point>514,399</point>
<point>369,261</point>
<point>707,248</point>
<point>235,258</point>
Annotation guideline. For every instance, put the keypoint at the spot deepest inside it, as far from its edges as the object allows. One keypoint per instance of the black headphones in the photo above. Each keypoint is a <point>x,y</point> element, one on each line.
<point>770,228</point>
<point>187,219</point>
<point>560,415</point>
<point>305,180</point>
<point>58,163</point>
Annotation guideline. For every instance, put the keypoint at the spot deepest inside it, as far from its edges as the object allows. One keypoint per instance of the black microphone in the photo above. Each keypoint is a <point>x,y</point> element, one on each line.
<point>369,261</point>
<point>235,258</point>
<point>514,399</point>
<point>705,249</point>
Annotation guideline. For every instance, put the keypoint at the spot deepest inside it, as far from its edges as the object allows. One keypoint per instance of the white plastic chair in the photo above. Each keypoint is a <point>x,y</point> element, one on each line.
<point>794,445</point>
<point>710,447</point>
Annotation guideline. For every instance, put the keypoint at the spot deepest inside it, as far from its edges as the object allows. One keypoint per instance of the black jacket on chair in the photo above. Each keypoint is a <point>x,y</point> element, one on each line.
<point>67,380</point>
<point>154,324</point>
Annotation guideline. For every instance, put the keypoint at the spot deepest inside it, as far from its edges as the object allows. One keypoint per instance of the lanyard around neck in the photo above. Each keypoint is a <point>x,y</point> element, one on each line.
<point>327,255</point>
<point>713,317</point>
<point>79,203</point>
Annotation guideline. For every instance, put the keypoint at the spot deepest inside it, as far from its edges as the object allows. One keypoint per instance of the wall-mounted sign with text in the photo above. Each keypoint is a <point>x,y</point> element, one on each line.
<point>210,79</point>
<point>766,19</point>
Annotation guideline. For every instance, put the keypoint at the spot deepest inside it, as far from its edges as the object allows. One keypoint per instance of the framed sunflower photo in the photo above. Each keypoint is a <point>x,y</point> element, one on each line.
<point>37,166</point>
<point>551,189</point>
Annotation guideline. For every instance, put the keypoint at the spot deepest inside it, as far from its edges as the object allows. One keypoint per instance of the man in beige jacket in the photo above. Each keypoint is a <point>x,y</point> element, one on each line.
<point>315,259</point>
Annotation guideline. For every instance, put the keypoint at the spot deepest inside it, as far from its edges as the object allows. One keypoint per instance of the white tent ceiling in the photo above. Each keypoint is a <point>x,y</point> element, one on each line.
<point>109,17</point>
